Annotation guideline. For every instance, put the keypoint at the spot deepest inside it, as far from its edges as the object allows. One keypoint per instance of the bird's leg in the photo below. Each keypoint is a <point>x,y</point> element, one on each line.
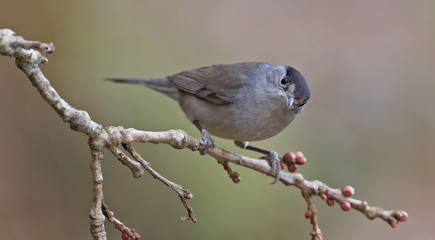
<point>207,141</point>
<point>272,156</point>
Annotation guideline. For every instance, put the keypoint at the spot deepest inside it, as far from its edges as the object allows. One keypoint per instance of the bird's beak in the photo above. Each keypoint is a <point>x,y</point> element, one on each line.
<point>289,101</point>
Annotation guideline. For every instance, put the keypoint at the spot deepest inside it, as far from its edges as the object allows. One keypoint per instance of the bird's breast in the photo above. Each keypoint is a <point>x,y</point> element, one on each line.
<point>247,120</point>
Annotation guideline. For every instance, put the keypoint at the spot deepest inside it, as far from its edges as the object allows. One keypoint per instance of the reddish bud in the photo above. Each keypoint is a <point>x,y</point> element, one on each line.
<point>289,157</point>
<point>401,216</point>
<point>330,202</point>
<point>345,205</point>
<point>392,222</point>
<point>234,175</point>
<point>308,214</point>
<point>299,154</point>
<point>236,180</point>
<point>125,236</point>
<point>347,191</point>
<point>301,160</point>
<point>136,236</point>
<point>292,168</point>
<point>323,197</point>
<point>282,164</point>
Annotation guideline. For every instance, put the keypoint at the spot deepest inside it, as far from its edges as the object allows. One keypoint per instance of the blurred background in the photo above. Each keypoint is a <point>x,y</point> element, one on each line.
<point>370,122</point>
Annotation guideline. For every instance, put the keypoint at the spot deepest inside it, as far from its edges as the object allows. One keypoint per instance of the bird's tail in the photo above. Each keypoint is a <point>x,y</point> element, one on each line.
<point>162,85</point>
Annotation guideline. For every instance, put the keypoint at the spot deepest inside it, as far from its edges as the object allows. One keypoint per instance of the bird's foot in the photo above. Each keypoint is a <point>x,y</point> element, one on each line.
<point>274,162</point>
<point>271,156</point>
<point>206,141</point>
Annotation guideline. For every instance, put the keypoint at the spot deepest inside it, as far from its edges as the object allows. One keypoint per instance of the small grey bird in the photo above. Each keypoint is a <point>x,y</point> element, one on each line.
<point>242,101</point>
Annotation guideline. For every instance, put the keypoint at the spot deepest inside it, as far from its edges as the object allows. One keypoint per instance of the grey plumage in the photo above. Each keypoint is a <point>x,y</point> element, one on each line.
<point>242,101</point>
<point>162,85</point>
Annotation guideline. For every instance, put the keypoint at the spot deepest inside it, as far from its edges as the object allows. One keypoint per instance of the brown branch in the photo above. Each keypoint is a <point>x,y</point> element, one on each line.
<point>28,61</point>
<point>48,48</point>
<point>134,166</point>
<point>235,176</point>
<point>126,232</point>
<point>311,213</point>
<point>179,139</point>
<point>96,215</point>
<point>184,194</point>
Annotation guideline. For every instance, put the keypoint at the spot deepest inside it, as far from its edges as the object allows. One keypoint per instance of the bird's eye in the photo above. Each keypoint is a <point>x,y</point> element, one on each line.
<point>284,81</point>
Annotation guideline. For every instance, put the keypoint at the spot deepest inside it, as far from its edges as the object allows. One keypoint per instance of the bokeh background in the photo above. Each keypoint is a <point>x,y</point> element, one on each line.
<point>370,122</point>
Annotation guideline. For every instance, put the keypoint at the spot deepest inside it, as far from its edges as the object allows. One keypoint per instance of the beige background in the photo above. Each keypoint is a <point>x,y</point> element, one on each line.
<point>370,122</point>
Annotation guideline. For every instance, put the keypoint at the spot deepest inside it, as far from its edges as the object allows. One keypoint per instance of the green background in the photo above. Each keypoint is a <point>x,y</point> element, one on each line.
<point>370,122</point>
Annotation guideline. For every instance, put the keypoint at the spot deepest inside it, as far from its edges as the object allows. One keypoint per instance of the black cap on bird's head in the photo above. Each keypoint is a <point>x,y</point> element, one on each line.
<point>301,90</point>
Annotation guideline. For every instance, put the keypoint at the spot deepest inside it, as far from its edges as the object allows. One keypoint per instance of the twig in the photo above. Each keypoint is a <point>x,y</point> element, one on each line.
<point>28,61</point>
<point>48,48</point>
<point>126,232</point>
<point>311,213</point>
<point>184,194</point>
<point>134,166</point>
<point>235,176</point>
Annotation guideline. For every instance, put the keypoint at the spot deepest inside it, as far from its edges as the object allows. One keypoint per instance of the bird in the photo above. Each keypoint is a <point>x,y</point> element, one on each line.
<point>247,101</point>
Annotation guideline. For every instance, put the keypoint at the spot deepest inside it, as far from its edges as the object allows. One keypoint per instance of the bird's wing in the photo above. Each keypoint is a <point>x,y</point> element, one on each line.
<point>216,83</point>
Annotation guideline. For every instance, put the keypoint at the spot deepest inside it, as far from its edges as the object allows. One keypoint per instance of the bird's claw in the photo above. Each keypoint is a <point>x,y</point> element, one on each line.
<point>271,156</point>
<point>206,141</point>
<point>274,162</point>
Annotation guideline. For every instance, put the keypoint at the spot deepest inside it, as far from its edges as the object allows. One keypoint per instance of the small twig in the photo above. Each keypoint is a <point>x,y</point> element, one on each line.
<point>184,194</point>
<point>342,197</point>
<point>311,213</point>
<point>48,48</point>
<point>131,233</point>
<point>134,166</point>
<point>235,176</point>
